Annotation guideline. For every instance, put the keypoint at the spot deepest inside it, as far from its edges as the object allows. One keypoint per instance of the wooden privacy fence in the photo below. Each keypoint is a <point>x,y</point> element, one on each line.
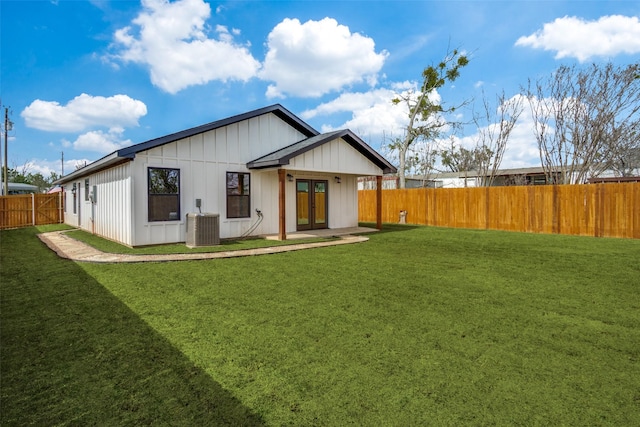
<point>603,210</point>
<point>30,209</point>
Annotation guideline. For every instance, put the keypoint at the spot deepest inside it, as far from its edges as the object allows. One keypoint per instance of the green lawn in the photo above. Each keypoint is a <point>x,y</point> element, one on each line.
<point>418,326</point>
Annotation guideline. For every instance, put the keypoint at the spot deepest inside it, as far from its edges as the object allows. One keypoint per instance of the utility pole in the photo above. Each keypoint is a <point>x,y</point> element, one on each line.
<point>1,173</point>
<point>62,163</point>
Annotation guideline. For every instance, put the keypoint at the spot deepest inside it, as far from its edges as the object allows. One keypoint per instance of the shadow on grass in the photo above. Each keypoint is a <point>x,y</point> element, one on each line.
<point>72,353</point>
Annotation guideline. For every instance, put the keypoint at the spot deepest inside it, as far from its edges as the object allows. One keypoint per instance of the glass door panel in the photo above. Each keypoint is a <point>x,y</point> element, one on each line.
<point>302,204</point>
<point>319,204</point>
<point>311,204</point>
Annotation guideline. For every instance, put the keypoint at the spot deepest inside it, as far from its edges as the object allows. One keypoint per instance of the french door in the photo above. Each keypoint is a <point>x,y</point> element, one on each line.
<point>311,204</point>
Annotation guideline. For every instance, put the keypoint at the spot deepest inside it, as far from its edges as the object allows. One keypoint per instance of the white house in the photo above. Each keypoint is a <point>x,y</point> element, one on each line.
<point>263,172</point>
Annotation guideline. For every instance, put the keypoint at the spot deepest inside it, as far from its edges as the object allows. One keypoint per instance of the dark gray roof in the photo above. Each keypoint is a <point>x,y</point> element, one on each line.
<point>313,140</point>
<point>284,155</point>
<point>129,153</point>
<point>276,109</point>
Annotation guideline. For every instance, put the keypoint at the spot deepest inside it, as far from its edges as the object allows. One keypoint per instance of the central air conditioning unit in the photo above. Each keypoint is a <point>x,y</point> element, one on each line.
<point>203,229</point>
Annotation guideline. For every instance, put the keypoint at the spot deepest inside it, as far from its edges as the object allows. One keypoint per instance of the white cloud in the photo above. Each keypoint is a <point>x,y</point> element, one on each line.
<point>377,120</point>
<point>101,142</point>
<point>171,40</point>
<point>45,166</point>
<point>581,39</point>
<point>522,148</point>
<point>317,57</point>
<point>372,113</point>
<point>84,112</point>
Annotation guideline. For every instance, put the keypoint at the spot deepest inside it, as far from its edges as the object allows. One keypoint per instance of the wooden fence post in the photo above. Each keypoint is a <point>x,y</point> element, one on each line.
<point>33,209</point>
<point>379,202</point>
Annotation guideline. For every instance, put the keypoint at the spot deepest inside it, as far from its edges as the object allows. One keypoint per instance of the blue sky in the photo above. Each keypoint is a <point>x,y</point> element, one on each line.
<point>88,77</point>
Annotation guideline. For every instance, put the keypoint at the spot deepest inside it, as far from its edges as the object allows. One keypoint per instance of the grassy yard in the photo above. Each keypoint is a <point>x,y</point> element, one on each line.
<point>418,326</point>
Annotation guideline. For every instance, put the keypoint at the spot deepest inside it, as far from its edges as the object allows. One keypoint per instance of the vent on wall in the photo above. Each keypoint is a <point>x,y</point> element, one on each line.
<point>203,229</point>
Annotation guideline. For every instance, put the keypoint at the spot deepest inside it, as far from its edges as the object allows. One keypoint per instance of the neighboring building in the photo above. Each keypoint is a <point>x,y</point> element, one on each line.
<point>389,182</point>
<point>504,177</point>
<point>521,176</point>
<point>613,179</point>
<point>263,172</point>
<point>20,188</point>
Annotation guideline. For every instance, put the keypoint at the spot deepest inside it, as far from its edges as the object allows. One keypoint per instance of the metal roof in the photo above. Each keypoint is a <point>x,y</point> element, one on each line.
<point>276,109</point>
<point>21,186</point>
<point>474,174</point>
<point>129,153</point>
<point>284,155</point>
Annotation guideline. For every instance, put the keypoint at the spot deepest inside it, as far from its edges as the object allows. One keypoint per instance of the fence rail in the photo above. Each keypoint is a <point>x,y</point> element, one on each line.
<point>30,209</point>
<point>603,210</point>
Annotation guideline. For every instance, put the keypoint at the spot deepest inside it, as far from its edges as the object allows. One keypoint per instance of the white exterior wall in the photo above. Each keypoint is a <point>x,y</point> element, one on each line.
<point>77,216</point>
<point>204,160</point>
<point>457,182</point>
<point>342,200</point>
<point>334,157</point>
<point>70,218</point>
<point>110,215</point>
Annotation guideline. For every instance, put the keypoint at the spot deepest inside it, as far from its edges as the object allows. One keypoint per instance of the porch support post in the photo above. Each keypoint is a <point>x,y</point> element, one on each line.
<point>379,202</point>
<point>282,218</point>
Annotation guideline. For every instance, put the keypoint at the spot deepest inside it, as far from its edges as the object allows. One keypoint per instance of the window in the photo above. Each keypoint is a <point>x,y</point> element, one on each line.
<point>238,195</point>
<point>164,194</point>
<point>86,190</point>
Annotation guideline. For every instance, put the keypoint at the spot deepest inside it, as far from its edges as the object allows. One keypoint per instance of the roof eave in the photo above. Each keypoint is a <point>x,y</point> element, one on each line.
<point>269,164</point>
<point>346,135</point>
<point>105,162</point>
<point>364,149</point>
<point>276,109</point>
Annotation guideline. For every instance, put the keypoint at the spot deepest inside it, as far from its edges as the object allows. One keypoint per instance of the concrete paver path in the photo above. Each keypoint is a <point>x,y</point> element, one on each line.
<point>67,247</point>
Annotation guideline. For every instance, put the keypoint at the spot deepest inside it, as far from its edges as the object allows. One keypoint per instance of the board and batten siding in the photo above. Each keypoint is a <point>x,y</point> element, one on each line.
<point>336,156</point>
<point>112,213</point>
<point>203,161</point>
<point>110,216</point>
<point>342,201</point>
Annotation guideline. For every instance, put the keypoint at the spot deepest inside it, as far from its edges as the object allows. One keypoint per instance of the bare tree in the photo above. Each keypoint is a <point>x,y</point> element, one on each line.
<point>81,164</point>
<point>587,120</point>
<point>494,126</point>
<point>426,114</point>
<point>518,179</point>
<point>456,158</point>
<point>626,162</point>
<point>459,159</point>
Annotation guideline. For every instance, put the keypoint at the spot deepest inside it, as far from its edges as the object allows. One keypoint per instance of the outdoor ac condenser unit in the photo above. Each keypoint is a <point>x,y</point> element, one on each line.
<point>203,229</point>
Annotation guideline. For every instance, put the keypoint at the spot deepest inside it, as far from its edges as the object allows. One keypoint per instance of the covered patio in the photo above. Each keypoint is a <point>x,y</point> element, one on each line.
<point>326,232</point>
